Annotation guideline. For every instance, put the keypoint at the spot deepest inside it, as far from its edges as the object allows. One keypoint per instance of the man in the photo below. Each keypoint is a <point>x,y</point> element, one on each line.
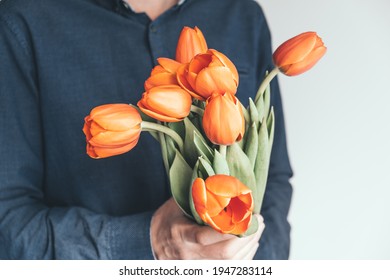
<point>58,60</point>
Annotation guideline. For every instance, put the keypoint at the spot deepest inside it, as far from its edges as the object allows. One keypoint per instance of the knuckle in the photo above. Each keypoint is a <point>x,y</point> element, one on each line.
<point>201,237</point>
<point>225,253</point>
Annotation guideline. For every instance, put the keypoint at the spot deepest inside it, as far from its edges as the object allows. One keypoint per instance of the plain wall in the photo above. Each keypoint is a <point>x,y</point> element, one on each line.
<point>338,128</point>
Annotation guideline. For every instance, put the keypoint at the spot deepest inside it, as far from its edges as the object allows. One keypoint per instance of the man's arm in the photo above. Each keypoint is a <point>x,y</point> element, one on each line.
<point>29,229</point>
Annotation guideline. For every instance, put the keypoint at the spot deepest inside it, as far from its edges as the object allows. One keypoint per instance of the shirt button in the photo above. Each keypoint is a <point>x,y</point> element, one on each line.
<point>153,28</point>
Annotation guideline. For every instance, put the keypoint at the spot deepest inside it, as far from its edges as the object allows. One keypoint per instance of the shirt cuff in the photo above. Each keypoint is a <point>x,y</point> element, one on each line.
<point>129,237</point>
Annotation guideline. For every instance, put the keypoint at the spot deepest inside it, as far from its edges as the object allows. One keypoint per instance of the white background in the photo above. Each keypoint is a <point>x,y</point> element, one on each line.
<point>338,128</point>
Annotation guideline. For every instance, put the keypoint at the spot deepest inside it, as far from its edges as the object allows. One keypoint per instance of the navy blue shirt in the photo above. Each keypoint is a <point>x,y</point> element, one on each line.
<point>61,58</point>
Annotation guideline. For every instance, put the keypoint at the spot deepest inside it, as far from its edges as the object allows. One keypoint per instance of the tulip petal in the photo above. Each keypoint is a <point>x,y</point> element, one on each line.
<point>226,62</point>
<point>160,79</point>
<point>168,64</point>
<point>295,49</point>
<point>95,129</point>
<point>87,128</point>
<point>243,226</point>
<point>91,151</point>
<point>108,152</point>
<point>157,116</point>
<point>117,118</point>
<point>215,79</point>
<point>223,221</point>
<point>199,196</point>
<point>108,109</point>
<point>199,62</point>
<point>170,101</point>
<point>111,138</point>
<point>226,186</point>
<point>239,210</point>
<point>308,63</point>
<point>202,41</point>
<point>181,76</point>
<point>223,120</point>
<point>157,70</point>
<point>215,203</point>
<point>191,42</point>
<point>247,199</point>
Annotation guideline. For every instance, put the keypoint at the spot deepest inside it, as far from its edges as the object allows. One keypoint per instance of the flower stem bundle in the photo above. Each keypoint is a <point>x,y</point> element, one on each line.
<point>216,152</point>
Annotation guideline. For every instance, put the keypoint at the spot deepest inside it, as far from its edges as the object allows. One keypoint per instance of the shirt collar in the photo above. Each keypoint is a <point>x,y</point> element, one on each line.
<point>127,5</point>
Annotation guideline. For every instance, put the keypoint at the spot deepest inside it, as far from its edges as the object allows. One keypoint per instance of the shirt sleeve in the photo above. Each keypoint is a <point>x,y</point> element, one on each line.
<point>275,241</point>
<point>29,228</point>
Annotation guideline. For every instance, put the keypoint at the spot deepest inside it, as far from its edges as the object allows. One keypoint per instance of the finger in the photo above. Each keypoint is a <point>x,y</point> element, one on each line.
<point>245,250</point>
<point>205,235</point>
<point>239,248</point>
<point>243,253</point>
<point>251,253</point>
<point>228,249</point>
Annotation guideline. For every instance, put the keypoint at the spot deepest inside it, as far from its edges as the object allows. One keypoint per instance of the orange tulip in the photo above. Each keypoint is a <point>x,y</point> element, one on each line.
<point>299,54</point>
<point>191,42</point>
<point>223,119</point>
<point>208,73</point>
<point>169,103</point>
<point>112,129</point>
<point>163,74</point>
<point>224,203</point>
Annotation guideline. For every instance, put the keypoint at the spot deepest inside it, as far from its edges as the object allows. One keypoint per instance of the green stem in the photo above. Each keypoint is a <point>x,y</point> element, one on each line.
<point>149,126</point>
<point>266,82</point>
<point>197,110</point>
<point>222,150</point>
<point>164,153</point>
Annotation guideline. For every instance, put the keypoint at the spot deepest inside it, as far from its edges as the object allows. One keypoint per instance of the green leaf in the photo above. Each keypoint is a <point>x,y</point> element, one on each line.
<point>253,227</point>
<point>261,107</point>
<point>195,172</point>
<point>190,150</point>
<point>240,167</point>
<point>251,144</point>
<point>202,148</point>
<point>220,164</point>
<point>247,117</point>
<point>254,114</point>
<point>180,175</point>
<point>271,128</point>
<point>262,165</point>
<point>205,167</point>
<point>171,149</point>
<point>178,127</point>
<point>195,214</point>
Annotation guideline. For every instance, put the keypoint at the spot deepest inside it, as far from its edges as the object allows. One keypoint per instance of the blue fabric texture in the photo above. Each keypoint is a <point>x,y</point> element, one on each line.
<point>61,58</point>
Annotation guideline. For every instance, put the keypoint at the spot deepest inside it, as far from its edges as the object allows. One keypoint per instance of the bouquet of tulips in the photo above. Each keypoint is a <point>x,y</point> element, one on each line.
<point>216,152</point>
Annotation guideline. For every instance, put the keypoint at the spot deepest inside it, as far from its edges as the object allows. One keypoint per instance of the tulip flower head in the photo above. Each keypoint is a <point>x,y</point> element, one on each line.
<point>163,74</point>
<point>223,119</point>
<point>299,54</point>
<point>224,203</point>
<point>191,42</point>
<point>111,129</point>
<point>208,73</point>
<point>168,103</point>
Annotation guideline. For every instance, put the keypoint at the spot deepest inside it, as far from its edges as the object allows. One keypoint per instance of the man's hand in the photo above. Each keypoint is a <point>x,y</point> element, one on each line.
<point>174,236</point>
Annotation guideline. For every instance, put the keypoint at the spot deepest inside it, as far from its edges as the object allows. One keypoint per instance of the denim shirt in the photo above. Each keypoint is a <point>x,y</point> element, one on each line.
<point>58,60</point>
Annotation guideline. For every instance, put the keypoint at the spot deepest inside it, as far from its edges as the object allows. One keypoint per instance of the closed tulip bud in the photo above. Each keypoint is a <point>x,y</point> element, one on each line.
<point>169,103</point>
<point>111,129</point>
<point>223,119</point>
<point>163,74</point>
<point>191,42</point>
<point>224,203</point>
<point>299,54</point>
<point>208,73</point>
